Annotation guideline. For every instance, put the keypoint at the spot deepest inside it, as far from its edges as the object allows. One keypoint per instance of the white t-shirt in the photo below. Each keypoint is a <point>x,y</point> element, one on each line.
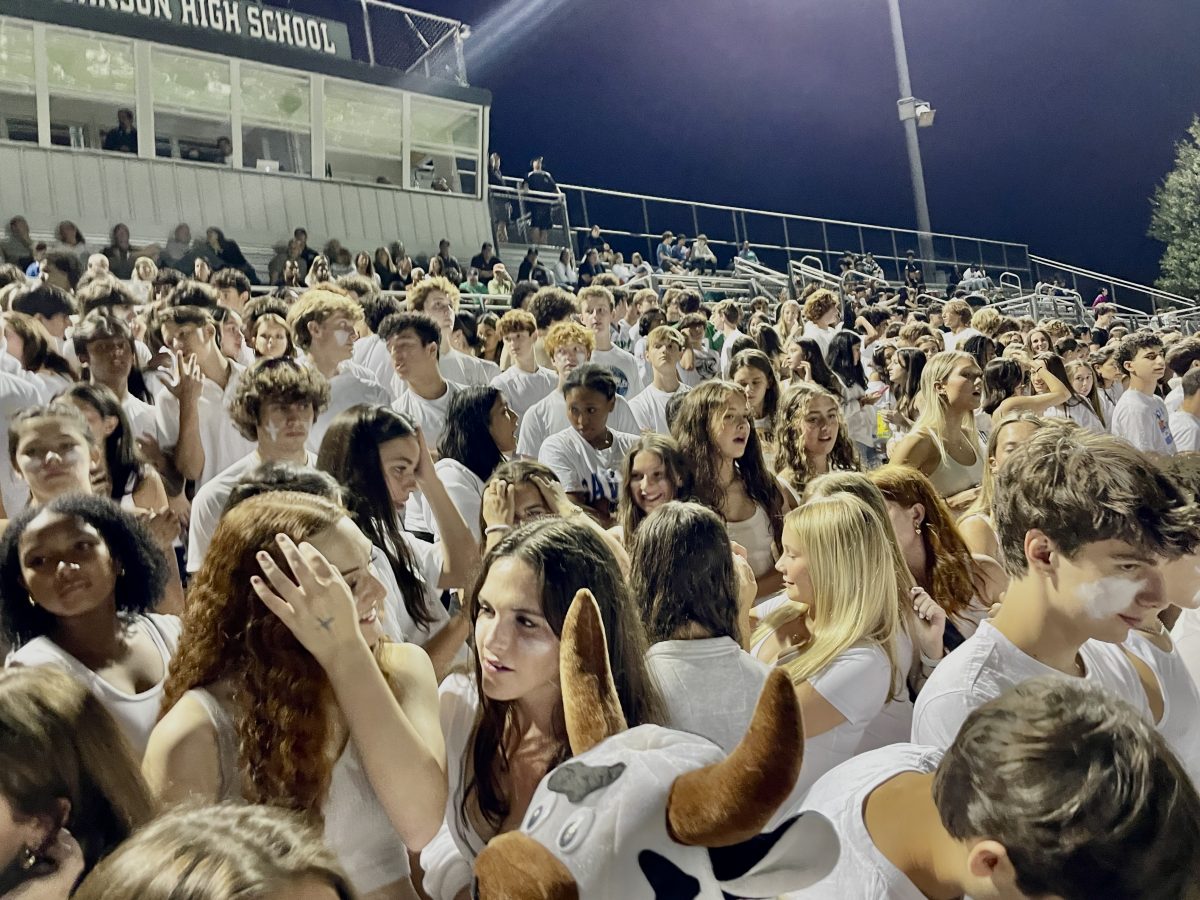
<point>707,364</point>
<point>371,353</point>
<point>222,444</point>
<point>429,559</point>
<point>549,416</point>
<point>16,394</point>
<point>1180,722</point>
<point>466,492</point>
<point>952,340</point>
<point>860,419</point>
<point>988,663</point>
<point>429,414</point>
<point>582,468</point>
<point>1174,398</point>
<point>136,714</point>
<point>624,369</point>
<point>821,335</point>
<point>141,416</point>
<point>710,687</point>
<point>862,872</point>
<point>1142,420</point>
<point>727,345</point>
<point>1185,429</point>
<point>1081,414</point>
<point>523,389</point>
<point>209,504</point>
<point>353,384</point>
<point>1186,635</point>
<point>464,370</point>
<point>650,408</point>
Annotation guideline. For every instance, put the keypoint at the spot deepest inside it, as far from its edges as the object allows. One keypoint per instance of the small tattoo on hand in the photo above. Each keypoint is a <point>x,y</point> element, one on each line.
<point>327,624</point>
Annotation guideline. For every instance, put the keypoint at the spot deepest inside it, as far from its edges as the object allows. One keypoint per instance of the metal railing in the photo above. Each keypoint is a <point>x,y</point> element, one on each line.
<point>1087,282</point>
<point>400,37</point>
<point>636,222</point>
<point>513,212</point>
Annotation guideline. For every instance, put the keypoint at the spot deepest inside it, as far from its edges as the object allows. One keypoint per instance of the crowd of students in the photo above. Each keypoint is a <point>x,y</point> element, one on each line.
<point>283,579</point>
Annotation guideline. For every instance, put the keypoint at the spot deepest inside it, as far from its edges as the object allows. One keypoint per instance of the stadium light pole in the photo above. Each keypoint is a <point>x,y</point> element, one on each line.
<point>913,113</point>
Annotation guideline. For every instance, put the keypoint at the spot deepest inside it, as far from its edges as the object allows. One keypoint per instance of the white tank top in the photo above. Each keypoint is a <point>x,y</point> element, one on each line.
<point>136,714</point>
<point>755,535</point>
<point>952,477</point>
<point>357,829</point>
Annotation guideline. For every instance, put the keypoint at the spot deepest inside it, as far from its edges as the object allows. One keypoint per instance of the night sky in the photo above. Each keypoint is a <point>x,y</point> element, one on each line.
<point>1055,118</point>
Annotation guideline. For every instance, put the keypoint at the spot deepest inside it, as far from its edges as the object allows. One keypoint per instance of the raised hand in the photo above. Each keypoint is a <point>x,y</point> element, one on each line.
<point>424,470</point>
<point>499,503</point>
<point>315,603</point>
<point>931,623</point>
<point>189,381</point>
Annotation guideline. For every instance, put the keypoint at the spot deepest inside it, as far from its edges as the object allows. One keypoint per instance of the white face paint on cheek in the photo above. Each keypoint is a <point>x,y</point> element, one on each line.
<point>1107,597</point>
<point>342,338</point>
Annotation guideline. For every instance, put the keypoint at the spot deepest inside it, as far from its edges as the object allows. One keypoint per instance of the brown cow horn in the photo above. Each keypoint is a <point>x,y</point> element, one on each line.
<point>733,800</point>
<point>514,866</point>
<point>590,702</point>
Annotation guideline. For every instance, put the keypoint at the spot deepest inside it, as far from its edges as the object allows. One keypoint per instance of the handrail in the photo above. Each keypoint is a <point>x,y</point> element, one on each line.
<point>1012,277</point>
<point>1119,282</point>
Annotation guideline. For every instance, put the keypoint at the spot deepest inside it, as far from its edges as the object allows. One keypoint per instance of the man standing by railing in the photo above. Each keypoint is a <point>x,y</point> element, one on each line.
<point>541,212</point>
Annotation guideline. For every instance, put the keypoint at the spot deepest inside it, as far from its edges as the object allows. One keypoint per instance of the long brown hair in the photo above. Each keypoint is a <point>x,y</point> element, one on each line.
<point>955,577</point>
<point>38,351</point>
<point>666,448</point>
<point>789,430</point>
<point>566,556</point>
<point>58,743</point>
<point>283,696</point>
<point>693,429</point>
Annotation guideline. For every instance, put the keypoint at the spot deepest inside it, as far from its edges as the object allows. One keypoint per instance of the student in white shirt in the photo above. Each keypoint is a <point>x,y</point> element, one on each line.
<point>509,706</point>
<point>370,350</point>
<point>822,317</point>
<point>914,823</point>
<point>596,313</point>
<point>325,326</point>
<point>1140,416</point>
<point>380,458</point>
<point>836,632</point>
<point>80,580</point>
<point>664,349</point>
<point>698,363</point>
<point>695,595</point>
<point>192,413</point>
<point>956,315</point>
<point>15,394</point>
<point>481,433</point>
<point>438,298</point>
<point>1185,421</point>
<point>275,405</point>
<point>524,382</point>
<point>1084,522</point>
<point>412,340</point>
<point>569,346</point>
<point>106,344</point>
<point>1183,357</point>
<point>587,456</point>
<point>728,315</point>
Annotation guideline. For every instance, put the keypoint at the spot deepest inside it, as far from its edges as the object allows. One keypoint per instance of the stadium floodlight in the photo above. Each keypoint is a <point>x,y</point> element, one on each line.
<point>921,110</point>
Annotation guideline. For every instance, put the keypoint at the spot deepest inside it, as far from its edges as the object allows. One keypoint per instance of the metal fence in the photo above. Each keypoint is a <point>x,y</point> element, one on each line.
<point>632,222</point>
<point>424,43</point>
<point>1089,284</point>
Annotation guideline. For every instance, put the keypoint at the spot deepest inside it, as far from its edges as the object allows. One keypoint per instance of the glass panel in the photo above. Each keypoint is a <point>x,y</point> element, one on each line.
<point>436,170</point>
<point>18,117</point>
<point>277,150</point>
<point>16,54</point>
<point>84,64</point>
<point>439,123</point>
<point>368,120</point>
<point>191,83</point>
<point>275,99</point>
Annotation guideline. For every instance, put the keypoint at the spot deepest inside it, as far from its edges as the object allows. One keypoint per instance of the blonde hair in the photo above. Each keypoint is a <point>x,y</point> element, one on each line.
<point>563,333</point>
<point>419,293</point>
<point>317,305</point>
<point>516,320</point>
<point>934,418</point>
<point>987,487</point>
<point>596,293</point>
<point>217,852</point>
<point>986,321</point>
<point>665,334</point>
<point>855,590</point>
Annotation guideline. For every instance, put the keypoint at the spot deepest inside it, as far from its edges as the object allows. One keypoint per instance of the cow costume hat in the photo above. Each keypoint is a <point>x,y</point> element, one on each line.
<point>654,814</point>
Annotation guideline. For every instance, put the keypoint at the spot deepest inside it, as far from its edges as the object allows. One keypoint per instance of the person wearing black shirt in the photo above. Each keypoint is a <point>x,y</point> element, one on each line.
<point>448,261</point>
<point>590,268</point>
<point>541,212</point>
<point>532,270</point>
<point>591,241</point>
<point>501,207</point>
<point>123,138</point>
<point>307,253</point>
<point>484,261</point>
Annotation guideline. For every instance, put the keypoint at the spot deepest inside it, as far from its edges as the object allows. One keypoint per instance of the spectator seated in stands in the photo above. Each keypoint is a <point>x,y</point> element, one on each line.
<point>229,254</point>
<point>483,262</point>
<point>745,253</point>
<point>473,285</point>
<point>590,268</point>
<point>532,270</point>
<point>501,282</point>
<point>663,255</point>
<point>566,274</point>
<point>701,257</point>
<point>17,246</point>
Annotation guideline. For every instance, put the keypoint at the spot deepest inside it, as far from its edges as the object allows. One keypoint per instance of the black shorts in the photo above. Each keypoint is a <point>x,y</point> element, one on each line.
<point>541,216</point>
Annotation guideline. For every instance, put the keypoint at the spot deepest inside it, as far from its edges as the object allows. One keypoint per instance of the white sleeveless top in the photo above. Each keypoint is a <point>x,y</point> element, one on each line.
<point>136,714</point>
<point>357,829</point>
<point>952,477</point>
<point>755,535</point>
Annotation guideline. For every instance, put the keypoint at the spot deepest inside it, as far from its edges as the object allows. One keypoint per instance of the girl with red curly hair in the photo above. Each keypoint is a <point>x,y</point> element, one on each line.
<point>284,693</point>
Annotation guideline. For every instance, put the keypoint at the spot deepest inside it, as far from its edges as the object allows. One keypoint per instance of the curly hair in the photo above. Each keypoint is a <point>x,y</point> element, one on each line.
<point>419,293</point>
<point>955,577</point>
<point>281,693</point>
<point>317,305</point>
<point>139,586</point>
<point>278,380</point>
<point>818,304</point>
<point>789,430</point>
<point>568,333</point>
<point>693,429</point>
